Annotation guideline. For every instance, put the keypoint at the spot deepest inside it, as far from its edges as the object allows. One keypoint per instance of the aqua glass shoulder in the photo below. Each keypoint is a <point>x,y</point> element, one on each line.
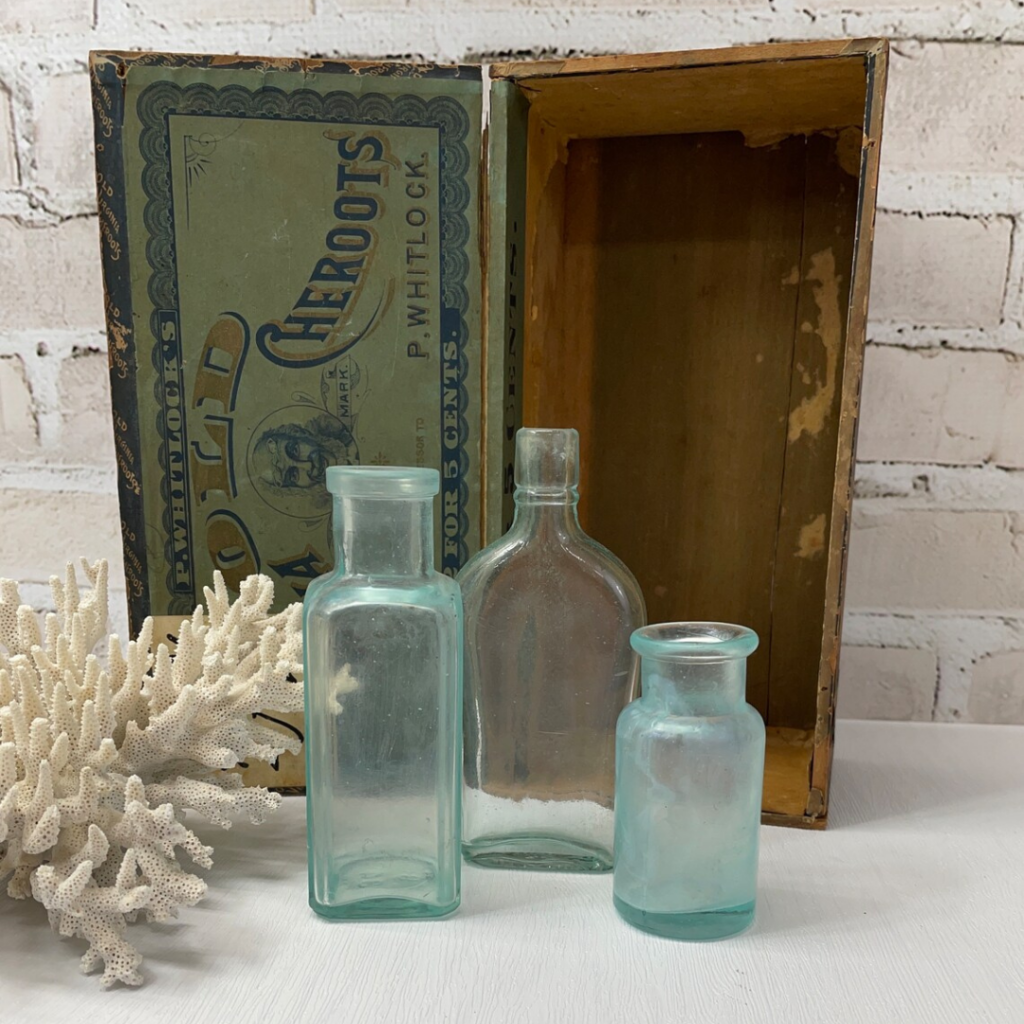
<point>548,668</point>
<point>383,648</point>
<point>689,768</point>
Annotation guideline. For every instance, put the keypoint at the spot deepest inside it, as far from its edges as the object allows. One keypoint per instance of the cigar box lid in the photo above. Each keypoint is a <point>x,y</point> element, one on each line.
<point>290,254</point>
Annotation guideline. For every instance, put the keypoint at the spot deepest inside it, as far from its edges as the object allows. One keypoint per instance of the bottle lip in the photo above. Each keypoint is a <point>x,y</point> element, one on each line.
<point>547,460</point>
<point>383,481</point>
<point>694,641</point>
<point>559,433</point>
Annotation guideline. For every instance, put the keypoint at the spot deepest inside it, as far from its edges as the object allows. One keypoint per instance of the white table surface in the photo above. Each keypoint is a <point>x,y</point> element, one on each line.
<point>910,907</point>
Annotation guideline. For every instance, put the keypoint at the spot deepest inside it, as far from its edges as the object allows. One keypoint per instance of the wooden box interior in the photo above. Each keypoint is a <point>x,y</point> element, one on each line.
<point>690,236</point>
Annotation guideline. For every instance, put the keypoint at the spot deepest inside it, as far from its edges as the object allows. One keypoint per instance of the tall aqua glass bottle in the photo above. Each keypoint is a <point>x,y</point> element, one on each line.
<point>689,763</point>
<point>549,612</point>
<point>383,649</point>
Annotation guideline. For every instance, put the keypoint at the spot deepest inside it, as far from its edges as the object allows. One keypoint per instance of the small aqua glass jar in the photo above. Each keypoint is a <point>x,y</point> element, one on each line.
<point>689,761</point>
<point>383,650</point>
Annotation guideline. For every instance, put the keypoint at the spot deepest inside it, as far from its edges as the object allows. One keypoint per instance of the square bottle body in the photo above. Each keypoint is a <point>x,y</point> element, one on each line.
<point>384,748</point>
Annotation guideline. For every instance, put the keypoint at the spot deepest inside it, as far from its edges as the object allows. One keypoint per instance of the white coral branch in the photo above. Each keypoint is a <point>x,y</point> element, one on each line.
<point>99,759</point>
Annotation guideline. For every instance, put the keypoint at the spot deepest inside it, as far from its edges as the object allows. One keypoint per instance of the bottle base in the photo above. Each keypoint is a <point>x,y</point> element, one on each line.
<point>383,888</point>
<point>700,927</point>
<point>384,909</point>
<point>537,853</point>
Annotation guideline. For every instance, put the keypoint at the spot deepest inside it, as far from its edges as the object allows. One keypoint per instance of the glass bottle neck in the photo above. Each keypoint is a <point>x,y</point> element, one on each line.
<point>384,536</point>
<point>695,687</point>
<point>546,511</point>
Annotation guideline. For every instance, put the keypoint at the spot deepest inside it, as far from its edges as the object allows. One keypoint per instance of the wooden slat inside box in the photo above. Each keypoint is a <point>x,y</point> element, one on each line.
<point>697,244</point>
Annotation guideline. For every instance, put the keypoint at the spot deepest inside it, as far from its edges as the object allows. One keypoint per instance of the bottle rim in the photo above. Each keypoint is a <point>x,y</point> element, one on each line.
<point>383,481</point>
<point>694,641</point>
<point>564,433</point>
<point>547,461</point>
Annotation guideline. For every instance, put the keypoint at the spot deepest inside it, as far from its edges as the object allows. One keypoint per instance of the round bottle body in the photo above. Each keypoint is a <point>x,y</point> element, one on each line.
<point>689,772</point>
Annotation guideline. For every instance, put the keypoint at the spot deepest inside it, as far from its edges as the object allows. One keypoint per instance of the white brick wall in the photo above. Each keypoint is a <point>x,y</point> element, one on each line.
<point>200,12</point>
<point>8,153</point>
<point>956,108</point>
<point>935,616</point>
<point>906,561</point>
<point>996,694</point>
<point>29,17</point>
<point>62,139</point>
<point>942,406</point>
<point>55,522</point>
<point>887,682</point>
<point>941,270</point>
<point>51,274</point>
<point>17,416</point>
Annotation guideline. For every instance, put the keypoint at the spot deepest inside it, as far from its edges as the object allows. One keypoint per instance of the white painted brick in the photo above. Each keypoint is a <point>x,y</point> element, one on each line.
<point>936,560</point>
<point>86,430</point>
<point>63,135</point>
<point>886,682</point>
<point>39,17</point>
<point>938,405</point>
<point>213,12</point>
<point>867,6</point>
<point>997,689</point>
<point>8,153</point>
<point>18,431</point>
<point>538,5</point>
<point>45,529</point>
<point>955,107</point>
<point>940,271</point>
<point>950,488</point>
<point>959,641</point>
<point>50,275</point>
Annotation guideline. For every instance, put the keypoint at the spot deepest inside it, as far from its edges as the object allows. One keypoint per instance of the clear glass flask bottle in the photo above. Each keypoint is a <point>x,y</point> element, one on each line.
<point>689,768</point>
<point>548,668</point>
<point>383,649</point>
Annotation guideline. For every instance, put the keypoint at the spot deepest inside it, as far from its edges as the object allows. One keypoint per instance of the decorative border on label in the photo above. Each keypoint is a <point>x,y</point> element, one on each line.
<point>155,104</point>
